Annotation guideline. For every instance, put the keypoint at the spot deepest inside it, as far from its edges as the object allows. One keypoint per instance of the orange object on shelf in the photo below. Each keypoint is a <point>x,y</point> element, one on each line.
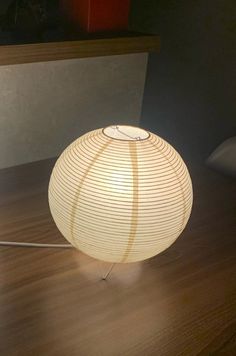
<point>97,15</point>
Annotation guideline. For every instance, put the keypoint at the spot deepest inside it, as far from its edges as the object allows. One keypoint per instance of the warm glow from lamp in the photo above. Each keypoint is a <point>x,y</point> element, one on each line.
<point>120,194</point>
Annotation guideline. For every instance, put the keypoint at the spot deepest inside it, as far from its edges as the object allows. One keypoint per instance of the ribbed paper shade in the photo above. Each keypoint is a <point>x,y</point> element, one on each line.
<point>120,194</point>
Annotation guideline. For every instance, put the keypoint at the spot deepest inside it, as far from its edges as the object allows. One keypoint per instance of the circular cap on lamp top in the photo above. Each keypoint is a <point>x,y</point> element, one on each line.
<point>126,133</point>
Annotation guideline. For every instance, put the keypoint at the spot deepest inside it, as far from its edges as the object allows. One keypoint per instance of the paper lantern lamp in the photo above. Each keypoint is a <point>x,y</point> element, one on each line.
<point>120,194</point>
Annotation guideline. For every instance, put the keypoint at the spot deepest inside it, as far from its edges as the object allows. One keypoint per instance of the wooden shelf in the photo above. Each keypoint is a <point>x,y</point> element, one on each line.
<point>52,51</point>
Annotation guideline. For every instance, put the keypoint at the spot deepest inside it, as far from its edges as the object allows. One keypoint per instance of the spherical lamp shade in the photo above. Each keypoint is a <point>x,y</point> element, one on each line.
<point>120,194</point>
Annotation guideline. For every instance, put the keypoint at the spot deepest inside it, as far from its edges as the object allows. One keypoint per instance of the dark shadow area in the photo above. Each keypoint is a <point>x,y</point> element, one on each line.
<point>189,97</point>
<point>26,21</point>
<point>39,21</point>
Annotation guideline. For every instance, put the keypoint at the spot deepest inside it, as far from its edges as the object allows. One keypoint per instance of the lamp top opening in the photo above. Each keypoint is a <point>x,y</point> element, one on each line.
<point>126,133</point>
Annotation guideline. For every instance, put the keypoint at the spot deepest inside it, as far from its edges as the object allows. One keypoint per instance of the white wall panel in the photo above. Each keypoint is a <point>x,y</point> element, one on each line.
<point>45,106</point>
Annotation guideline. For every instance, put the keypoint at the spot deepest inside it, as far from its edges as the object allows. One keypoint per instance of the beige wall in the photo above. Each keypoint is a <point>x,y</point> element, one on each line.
<point>44,106</point>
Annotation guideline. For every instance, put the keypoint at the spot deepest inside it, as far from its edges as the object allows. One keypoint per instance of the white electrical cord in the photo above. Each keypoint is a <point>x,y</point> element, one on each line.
<point>29,244</point>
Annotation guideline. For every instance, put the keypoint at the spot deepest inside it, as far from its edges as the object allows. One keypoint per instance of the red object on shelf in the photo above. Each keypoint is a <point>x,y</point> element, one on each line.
<point>97,15</point>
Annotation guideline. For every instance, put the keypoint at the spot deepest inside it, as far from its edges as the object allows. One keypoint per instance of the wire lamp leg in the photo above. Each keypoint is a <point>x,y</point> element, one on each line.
<point>108,272</point>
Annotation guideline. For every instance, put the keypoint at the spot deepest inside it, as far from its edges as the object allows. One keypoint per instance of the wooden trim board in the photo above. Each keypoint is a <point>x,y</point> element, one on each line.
<point>51,51</point>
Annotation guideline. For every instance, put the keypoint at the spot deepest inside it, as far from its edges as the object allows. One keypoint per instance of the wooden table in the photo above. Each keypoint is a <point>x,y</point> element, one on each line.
<point>53,302</point>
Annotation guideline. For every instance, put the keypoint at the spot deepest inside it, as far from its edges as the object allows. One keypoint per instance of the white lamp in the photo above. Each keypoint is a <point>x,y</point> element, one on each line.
<point>120,194</point>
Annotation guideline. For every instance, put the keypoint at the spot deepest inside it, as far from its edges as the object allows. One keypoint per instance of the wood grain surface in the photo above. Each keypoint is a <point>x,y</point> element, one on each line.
<point>52,51</point>
<point>53,302</point>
